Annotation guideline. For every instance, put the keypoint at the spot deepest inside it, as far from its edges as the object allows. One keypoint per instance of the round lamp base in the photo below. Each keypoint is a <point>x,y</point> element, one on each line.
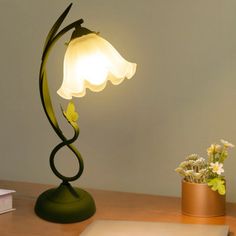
<point>65,204</point>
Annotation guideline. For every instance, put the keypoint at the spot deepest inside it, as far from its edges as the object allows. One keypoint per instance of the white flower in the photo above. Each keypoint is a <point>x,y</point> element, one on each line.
<point>211,150</point>
<point>197,175</point>
<point>226,143</point>
<point>188,172</point>
<point>217,167</point>
<point>201,160</point>
<point>218,148</point>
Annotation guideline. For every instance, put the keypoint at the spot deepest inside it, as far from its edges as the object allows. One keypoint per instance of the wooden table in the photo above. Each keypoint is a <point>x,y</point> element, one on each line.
<point>110,205</point>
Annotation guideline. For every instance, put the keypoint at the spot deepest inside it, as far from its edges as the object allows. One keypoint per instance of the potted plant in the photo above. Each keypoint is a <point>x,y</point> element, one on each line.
<point>203,183</point>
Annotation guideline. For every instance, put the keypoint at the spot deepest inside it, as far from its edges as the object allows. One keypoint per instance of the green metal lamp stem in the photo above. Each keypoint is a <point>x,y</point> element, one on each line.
<point>56,149</point>
<point>46,100</point>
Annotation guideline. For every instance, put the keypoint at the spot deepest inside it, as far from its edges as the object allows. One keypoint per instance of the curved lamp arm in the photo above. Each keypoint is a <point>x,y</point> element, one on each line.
<point>46,100</point>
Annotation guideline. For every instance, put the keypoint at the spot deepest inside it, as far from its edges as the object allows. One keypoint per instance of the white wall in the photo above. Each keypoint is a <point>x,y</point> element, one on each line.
<point>133,136</point>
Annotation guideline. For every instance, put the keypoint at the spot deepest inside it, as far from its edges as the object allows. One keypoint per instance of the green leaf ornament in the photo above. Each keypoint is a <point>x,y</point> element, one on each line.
<point>217,184</point>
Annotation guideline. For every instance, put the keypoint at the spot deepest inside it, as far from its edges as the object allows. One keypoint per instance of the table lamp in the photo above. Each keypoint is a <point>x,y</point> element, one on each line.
<point>89,63</point>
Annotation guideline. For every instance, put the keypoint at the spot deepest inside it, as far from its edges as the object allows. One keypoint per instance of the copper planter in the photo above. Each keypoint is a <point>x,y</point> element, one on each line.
<point>199,200</point>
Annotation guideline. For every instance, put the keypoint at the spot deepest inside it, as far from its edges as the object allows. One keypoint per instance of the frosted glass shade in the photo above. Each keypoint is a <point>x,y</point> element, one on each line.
<point>90,61</point>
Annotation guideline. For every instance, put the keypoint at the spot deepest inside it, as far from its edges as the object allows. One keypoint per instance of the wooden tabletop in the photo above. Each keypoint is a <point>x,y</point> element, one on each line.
<point>110,205</point>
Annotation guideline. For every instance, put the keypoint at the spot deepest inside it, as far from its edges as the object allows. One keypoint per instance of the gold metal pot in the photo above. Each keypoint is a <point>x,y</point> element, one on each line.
<point>200,200</point>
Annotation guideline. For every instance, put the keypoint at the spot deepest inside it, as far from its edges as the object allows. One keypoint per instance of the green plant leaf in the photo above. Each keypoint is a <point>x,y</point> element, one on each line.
<point>217,184</point>
<point>70,113</point>
<point>221,189</point>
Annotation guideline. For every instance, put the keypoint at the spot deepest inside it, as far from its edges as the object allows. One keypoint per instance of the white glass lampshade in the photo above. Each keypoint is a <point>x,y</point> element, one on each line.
<point>90,61</point>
